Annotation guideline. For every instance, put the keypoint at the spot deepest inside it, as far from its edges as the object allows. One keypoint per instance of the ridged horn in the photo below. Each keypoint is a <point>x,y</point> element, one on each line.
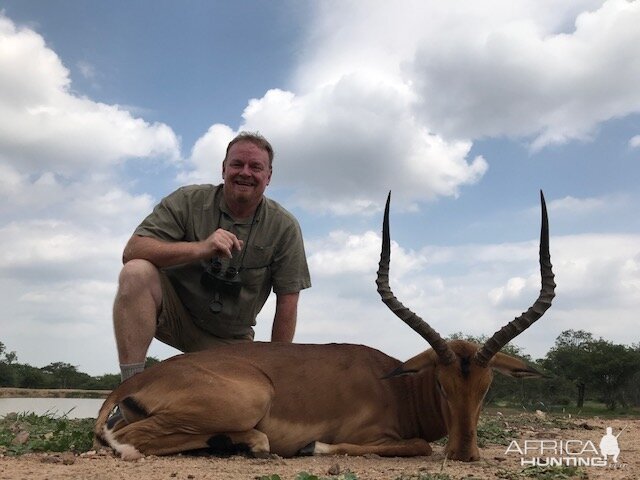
<point>421,327</point>
<point>524,321</point>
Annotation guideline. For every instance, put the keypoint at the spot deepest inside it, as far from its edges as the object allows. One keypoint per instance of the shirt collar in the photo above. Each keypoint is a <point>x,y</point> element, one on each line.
<point>224,208</point>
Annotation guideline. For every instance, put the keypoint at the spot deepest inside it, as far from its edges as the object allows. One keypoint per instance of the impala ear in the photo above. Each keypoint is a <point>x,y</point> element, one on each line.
<point>416,364</point>
<point>513,367</point>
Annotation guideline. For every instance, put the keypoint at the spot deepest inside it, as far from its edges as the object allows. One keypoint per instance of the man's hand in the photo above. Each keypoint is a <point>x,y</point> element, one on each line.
<point>223,243</point>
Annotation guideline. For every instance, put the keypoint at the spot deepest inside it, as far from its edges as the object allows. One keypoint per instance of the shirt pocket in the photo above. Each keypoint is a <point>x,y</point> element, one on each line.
<point>257,263</point>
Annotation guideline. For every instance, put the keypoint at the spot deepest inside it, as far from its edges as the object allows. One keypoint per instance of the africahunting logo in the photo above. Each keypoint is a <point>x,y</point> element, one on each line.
<point>578,453</point>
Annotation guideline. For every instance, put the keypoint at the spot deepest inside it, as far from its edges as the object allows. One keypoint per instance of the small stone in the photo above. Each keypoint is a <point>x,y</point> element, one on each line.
<point>21,438</point>
<point>51,459</point>
<point>334,469</point>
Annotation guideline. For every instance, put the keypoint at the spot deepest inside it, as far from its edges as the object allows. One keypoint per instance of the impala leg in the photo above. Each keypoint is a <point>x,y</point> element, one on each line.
<point>145,437</point>
<point>391,448</point>
<point>252,442</point>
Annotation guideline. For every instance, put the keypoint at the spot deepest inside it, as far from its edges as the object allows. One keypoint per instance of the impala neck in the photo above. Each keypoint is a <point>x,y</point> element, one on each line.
<point>423,417</point>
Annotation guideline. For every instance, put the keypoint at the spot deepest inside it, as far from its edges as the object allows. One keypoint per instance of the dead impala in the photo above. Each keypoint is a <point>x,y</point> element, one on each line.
<point>290,399</point>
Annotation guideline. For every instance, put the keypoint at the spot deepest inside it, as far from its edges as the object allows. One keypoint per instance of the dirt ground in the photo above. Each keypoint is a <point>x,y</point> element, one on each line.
<point>496,462</point>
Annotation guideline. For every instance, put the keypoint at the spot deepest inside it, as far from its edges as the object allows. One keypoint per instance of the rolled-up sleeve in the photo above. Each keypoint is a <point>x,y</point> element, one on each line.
<point>290,272</point>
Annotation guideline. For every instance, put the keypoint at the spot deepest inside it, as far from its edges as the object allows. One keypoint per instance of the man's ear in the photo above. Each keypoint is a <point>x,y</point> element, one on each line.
<point>513,367</point>
<point>224,166</point>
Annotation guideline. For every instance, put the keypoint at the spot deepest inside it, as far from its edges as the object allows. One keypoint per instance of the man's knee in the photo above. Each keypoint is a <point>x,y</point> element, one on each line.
<point>139,277</point>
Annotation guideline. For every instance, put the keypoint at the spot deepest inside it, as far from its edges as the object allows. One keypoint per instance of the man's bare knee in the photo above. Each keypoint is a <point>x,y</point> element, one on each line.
<point>139,277</point>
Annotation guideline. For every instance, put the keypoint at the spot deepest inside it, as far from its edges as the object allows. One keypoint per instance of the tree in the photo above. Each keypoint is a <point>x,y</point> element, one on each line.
<point>7,357</point>
<point>7,372</point>
<point>605,367</point>
<point>65,375</point>
<point>569,358</point>
<point>612,368</point>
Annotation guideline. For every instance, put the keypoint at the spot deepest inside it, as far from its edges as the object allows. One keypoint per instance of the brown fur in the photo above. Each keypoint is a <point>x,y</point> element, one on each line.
<point>279,398</point>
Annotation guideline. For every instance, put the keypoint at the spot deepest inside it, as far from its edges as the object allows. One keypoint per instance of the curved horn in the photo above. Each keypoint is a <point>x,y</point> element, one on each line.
<point>524,321</point>
<point>421,327</point>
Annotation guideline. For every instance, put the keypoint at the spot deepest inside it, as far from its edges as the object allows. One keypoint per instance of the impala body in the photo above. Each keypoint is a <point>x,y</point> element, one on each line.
<point>288,399</point>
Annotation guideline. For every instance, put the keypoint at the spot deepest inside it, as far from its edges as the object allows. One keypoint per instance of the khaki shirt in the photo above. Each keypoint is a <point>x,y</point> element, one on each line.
<point>274,257</point>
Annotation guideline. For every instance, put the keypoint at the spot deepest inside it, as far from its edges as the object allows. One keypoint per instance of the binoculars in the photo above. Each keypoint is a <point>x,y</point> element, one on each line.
<point>226,281</point>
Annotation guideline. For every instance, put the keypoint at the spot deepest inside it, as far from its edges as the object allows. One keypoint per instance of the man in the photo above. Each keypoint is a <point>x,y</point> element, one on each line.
<point>199,268</point>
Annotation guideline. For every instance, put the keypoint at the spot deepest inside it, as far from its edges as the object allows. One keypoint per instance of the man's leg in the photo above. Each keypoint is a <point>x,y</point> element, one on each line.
<point>135,313</point>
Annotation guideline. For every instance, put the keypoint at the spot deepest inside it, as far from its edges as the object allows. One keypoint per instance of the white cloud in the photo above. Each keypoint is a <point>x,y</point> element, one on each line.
<point>571,206</point>
<point>337,146</point>
<point>512,289</point>
<point>475,289</point>
<point>66,211</point>
<point>525,77</point>
<point>87,70</point>
<point>207,155</point>
<point>52,129</point>
<point>634,142</point>
<point>342,253</point>
<point>58,250</point>
<point>400,109</point>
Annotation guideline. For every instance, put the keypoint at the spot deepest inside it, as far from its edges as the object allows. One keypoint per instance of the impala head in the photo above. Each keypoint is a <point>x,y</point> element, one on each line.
<point>462,371</point>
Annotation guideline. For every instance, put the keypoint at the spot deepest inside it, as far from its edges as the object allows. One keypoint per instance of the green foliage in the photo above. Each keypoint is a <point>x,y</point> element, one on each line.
<point>604,368</point>
<point>55,375</point>
<point>46,433</point>
<point>342,476</point>
<point>492,430</point>
<point>310,476</point>
<point>425,476</point>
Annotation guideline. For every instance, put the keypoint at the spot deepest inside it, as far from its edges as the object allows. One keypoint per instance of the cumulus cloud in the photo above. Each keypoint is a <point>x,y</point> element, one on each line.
<point>66,212</point>
<point>471,288</point>
<point>337,148</point>
<point>400,109</point>
<point>527,77</point>
<point>634,142</point>
<point>51,129</point>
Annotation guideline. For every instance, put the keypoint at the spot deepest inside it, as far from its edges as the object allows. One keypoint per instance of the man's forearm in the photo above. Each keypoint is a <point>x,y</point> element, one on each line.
<point>161,253</point>
<point>285,319</point>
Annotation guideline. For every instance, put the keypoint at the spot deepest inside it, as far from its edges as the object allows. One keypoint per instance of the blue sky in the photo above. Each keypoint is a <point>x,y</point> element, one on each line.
<point>463,110</point>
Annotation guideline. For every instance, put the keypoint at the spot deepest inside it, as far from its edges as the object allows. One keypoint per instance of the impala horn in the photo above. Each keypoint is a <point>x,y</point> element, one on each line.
<point>524,321</point>
<point>421,327</point>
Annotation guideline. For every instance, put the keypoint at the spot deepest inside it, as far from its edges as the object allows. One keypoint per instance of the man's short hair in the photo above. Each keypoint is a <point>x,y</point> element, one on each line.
<point>255,138</point>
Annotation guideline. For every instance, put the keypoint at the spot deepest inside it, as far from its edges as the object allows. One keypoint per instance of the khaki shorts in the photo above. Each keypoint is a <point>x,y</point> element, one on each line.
<point>176,328</point>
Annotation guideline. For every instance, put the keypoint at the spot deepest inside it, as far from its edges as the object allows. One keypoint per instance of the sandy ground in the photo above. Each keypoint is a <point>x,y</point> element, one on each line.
<point>496,462</point>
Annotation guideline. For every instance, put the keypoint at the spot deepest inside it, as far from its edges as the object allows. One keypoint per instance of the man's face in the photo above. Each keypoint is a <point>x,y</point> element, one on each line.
<point>246,172</point>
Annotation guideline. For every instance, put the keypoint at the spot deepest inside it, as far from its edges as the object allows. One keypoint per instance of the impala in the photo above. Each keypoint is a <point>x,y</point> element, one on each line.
<point>290,399</point>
